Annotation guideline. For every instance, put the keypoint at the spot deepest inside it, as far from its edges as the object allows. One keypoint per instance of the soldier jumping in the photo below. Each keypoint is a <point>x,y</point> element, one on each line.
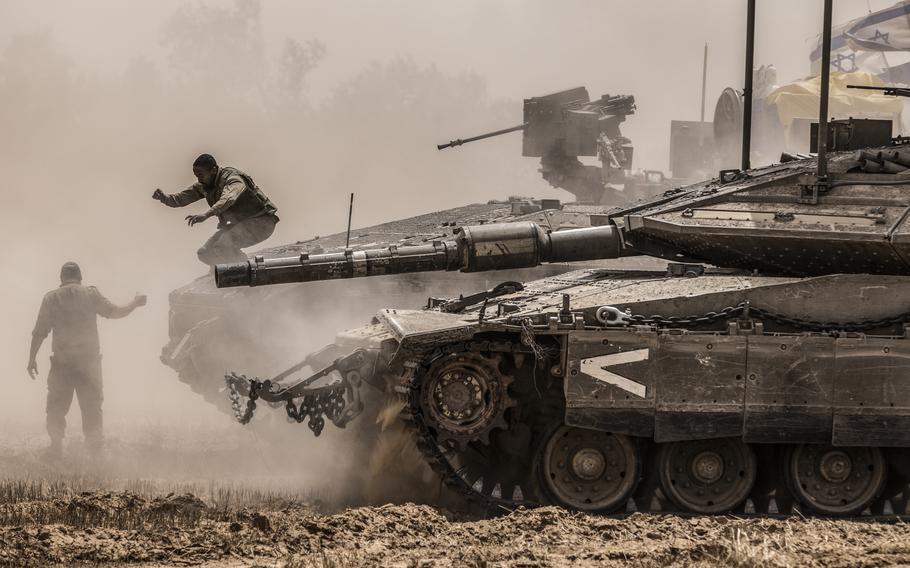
<point>245,215</point>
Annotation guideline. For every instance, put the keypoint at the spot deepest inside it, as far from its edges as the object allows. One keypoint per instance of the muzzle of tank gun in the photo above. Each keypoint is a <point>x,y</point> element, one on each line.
<point>440,255</point>
<point>478,248</point>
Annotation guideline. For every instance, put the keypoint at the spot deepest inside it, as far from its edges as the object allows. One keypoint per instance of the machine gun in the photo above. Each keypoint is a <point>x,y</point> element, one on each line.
<point>561,127</point>
<point>891,91</point>
<point>459,142</point>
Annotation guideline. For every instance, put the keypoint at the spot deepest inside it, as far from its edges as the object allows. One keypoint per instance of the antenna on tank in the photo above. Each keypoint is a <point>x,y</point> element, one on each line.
<point>747,88</point>
<point>347,238</point>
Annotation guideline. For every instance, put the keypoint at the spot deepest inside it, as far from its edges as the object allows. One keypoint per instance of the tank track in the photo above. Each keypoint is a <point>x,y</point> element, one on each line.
<point>769,497</point>
<point>473,501</point>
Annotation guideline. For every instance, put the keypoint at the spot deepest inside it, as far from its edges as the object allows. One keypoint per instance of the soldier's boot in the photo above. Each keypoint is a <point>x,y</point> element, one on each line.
<point>94,445</point>
<point>96,454</point>
<point>54,451</point>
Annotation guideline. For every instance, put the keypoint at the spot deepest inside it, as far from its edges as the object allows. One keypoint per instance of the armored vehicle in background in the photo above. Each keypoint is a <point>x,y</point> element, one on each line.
<point>777,376</point>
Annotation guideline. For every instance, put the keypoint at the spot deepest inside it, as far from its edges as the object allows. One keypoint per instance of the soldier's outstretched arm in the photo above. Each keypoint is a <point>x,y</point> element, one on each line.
<point>106,308</point>
<point>189,195</point>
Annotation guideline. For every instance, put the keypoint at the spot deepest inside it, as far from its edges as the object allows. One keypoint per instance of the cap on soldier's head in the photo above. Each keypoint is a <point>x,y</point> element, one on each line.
<point>206,161</point>
<point>70,272</point>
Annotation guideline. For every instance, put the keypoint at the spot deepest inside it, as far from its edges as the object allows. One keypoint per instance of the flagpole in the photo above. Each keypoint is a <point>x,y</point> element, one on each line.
<point>822,171</point>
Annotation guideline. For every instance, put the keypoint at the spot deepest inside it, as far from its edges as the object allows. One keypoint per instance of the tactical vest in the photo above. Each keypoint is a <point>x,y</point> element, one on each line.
<point>251,203</point>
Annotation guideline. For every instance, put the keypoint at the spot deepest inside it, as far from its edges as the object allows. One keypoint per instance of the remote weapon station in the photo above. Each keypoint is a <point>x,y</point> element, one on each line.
<point>779,376</point>
<point>562,127</point>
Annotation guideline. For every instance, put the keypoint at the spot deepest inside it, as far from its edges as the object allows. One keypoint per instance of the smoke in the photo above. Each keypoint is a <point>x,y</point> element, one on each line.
<point>88,147</point>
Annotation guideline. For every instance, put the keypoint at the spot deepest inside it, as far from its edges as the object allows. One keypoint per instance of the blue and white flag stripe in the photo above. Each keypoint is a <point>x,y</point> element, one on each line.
<point>885,30</point>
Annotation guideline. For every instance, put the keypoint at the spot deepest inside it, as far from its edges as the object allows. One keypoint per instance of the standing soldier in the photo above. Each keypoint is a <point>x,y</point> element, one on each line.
<point>245,214</point>
<point>71,311</point>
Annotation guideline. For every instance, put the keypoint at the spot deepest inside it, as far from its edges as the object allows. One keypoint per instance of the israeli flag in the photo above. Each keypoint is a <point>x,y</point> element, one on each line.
<point>885,30</point>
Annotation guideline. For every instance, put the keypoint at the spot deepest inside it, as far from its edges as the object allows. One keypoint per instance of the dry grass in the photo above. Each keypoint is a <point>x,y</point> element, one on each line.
<point>218,495</point>
<point>326,559</point>
<point>133,504</point>
<point>748,551</point>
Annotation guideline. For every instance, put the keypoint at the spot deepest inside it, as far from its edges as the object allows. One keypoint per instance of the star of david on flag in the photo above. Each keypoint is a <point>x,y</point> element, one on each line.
<point>843,57</point>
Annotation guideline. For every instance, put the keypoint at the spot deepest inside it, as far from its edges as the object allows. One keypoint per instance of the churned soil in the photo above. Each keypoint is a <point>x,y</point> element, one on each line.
<point>119,527</point>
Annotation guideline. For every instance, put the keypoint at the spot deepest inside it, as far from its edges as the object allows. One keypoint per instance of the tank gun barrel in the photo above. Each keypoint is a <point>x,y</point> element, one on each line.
<point>460,141</point>
<point>892,91</point>
<point>478,248</point>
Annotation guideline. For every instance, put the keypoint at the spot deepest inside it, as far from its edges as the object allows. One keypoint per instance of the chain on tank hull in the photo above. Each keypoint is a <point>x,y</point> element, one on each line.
<point>720,393</point>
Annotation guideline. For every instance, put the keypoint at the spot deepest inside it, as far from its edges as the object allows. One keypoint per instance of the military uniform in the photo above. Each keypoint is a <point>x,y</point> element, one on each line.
<point>71,313</point>
<point>245,215</point>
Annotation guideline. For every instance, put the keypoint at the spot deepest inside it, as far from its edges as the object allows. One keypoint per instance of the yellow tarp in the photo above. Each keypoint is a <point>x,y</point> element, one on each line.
<point>800,99</point>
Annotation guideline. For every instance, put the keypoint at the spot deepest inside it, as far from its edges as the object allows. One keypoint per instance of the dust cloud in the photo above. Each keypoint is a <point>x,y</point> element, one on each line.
<point>103,101</point>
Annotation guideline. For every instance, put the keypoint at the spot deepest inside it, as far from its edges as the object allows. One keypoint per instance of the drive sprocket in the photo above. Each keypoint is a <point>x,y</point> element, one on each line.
<point>495,471</point>
<point>463,398</point>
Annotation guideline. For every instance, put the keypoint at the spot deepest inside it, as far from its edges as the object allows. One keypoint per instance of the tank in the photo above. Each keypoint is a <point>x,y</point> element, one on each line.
<point>764,369</point>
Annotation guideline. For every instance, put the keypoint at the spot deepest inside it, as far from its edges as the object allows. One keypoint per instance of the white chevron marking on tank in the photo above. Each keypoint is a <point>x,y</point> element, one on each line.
<point>596,367</point>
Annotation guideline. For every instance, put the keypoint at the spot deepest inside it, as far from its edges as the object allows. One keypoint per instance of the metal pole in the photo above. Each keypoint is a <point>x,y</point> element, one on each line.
<point>747,90</point>
<point>822,172</point>
<point>704,81</point>
<point>347,238</point>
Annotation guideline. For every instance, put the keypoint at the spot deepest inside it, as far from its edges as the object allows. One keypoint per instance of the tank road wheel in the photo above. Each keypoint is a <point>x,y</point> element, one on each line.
<point>589,470</point>
<point>707,476</point>
<point>464,398</point>
<point>835,481</point>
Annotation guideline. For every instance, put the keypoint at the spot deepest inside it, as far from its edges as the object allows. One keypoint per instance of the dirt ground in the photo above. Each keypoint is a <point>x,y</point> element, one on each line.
<point>166,498</point>
<point>103,528</point>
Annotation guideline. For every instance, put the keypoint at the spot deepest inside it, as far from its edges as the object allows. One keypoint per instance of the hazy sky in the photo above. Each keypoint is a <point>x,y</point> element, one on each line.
<point>523,47</point>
